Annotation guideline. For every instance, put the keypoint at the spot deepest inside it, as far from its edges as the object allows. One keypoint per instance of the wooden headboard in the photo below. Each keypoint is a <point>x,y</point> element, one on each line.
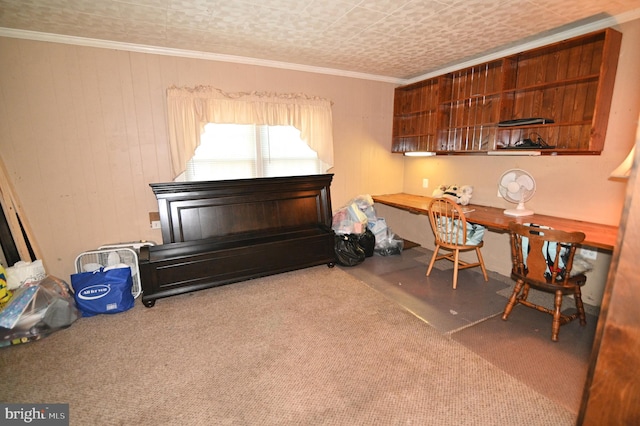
<point>191,211</point>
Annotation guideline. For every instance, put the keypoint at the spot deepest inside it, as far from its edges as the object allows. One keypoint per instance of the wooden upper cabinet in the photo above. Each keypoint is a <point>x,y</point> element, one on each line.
<point>415,117</point>
<point>470,108</point>
<point>569,83</point>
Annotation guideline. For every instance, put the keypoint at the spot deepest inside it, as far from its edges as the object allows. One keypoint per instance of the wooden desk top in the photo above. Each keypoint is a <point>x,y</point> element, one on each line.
<point>597,235</point>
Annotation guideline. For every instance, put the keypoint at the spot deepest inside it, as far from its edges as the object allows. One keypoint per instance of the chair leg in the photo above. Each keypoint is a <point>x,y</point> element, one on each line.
<point>456,263</point>
<point>481,260</point>
<point>525,292</point>
<point>557,305</point>
<point>512,300</point>
<point>579,306</point>
<point>433,259</point>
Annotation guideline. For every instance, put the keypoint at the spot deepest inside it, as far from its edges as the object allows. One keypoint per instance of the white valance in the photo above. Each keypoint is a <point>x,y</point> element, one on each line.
<point>190,109</point>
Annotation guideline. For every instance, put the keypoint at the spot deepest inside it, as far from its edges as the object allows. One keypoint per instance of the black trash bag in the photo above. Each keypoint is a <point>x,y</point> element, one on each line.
<point>367,241</point>
<point>348,251</point>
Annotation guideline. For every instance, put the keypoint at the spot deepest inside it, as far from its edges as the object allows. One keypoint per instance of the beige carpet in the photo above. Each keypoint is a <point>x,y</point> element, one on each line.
<point>555,369</point>
<point>309,347</point>
<point>471,315</point>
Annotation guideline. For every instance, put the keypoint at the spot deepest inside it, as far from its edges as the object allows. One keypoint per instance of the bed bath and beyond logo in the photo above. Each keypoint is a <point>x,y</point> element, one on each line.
<point>35,414</point>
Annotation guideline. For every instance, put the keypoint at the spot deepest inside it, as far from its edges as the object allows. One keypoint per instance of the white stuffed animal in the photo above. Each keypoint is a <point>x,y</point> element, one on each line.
<point>457,194</point>
<point>452,192</point>
<point>439,191</point>
<point>464,195</point>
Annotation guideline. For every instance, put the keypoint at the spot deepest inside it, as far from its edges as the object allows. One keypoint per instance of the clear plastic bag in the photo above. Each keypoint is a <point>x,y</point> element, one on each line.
<point>355,216</point>
<point>36,310</point>
<point>349,220</point>
<point>389,245</point>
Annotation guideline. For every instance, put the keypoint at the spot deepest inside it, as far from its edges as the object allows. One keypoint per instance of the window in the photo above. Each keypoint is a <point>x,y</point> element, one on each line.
<point>239,151</point>
<point>190,109</point>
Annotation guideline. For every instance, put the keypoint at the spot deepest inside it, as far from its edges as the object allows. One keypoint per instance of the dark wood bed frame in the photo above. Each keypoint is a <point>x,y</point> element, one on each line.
<point>220,232</point>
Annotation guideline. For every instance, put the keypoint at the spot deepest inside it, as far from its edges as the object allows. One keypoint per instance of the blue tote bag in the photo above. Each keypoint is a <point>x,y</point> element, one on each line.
<point>103,291</point>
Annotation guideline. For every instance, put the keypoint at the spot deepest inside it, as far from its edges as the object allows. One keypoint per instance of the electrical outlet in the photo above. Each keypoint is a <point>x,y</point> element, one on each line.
<point>589,254</point>
<point>425,183</point>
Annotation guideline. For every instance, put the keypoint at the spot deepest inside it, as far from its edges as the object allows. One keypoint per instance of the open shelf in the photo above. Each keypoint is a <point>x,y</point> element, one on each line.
<point>570,82</point>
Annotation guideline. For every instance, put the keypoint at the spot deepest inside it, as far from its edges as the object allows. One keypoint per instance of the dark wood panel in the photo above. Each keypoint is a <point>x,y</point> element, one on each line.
<point>612,391</point>
<point>195,210</point>
<point>220,232</point>
<point>198,220</point>
<point>218,264</point>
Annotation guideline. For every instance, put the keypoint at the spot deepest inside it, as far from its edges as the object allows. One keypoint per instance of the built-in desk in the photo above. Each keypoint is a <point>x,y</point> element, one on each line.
<point>597,235</point>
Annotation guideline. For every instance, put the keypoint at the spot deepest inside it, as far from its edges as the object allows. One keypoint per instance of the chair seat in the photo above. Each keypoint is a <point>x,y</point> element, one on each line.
<point>550,286</point>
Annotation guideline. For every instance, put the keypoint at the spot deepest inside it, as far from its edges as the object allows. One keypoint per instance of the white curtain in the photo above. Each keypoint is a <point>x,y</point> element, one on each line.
<point>190,108</point>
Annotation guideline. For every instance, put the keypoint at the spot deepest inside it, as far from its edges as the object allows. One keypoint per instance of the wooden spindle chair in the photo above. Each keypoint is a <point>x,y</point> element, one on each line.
<point>453,234</point>
<point>542,259</point>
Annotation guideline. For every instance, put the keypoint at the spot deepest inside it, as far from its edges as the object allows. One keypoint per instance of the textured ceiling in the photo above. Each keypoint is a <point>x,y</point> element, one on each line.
<point>399,39</point>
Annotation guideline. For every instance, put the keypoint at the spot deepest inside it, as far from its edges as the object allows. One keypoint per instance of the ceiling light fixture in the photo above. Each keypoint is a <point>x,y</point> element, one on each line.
<point>515,152</point>
<point>420,154</point>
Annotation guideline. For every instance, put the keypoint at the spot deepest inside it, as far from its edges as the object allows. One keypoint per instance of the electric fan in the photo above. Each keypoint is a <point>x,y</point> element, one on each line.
<point>517,186</point>
<point>90,261</point>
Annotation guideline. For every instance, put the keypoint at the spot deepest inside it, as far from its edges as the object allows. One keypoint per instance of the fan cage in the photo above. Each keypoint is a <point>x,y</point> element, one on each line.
<point>91,260</point>
<point>524,194</point>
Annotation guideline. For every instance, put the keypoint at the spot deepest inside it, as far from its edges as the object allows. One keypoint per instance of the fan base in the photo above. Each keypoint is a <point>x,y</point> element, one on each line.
<point>518,212</point>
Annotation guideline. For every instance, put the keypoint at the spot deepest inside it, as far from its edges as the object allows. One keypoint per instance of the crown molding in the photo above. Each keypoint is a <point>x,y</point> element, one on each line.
<point>156,50</point>
<point>538,42</point>
<point>193,54</point>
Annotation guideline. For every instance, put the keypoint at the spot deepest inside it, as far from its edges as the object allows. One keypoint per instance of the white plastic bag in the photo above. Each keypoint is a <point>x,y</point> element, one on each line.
<point>25,272</point>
